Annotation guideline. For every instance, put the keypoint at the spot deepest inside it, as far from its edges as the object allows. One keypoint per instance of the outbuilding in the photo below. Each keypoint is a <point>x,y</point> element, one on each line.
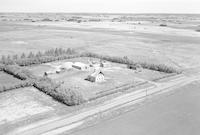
<point>80,66</point>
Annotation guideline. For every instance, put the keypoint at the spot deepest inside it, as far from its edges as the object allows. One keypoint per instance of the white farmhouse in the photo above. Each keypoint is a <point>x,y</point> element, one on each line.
<point>97,76</point>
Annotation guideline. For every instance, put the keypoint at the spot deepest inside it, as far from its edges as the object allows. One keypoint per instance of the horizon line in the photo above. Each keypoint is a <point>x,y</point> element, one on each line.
<point>92,12</point>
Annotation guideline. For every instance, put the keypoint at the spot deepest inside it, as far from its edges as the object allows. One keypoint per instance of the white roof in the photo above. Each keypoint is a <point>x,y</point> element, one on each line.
<point>79,64</point>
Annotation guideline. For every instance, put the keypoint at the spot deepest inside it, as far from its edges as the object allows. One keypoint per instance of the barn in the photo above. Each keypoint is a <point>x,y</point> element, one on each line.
<point>80,66</point>
<point>97,76</point>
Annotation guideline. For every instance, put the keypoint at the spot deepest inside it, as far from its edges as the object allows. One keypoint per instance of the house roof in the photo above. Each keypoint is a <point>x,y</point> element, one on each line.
<point>97,72</point>
<point>79,64</point>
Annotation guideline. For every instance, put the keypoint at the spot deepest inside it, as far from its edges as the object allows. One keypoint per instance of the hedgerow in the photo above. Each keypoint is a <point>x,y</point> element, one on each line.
<point>125,60</point>
<point>62,54</point>
<point>39,57</point>
<point>16,86</point>
<point>56,90</point>
<point>18,72</point>
<point>67,96</point>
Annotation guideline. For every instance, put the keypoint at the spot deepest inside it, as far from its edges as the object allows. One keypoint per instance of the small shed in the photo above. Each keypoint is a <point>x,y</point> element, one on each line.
<point>80,66</point>
<point>97,76</point>
<point>136,67</point>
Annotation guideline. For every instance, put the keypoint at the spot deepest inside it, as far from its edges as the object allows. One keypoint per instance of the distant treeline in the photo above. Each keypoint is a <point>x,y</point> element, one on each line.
<point>61,54</point>
<point>39,57</point>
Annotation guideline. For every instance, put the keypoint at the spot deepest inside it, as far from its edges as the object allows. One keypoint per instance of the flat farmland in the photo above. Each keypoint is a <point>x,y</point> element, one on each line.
<point>28,105</point>
<point>146,42</point>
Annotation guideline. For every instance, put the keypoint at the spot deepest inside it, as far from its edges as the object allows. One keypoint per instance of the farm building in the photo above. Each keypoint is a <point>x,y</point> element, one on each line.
<point>80,66</point>
<point>136,67</point>
<point>97,76</point>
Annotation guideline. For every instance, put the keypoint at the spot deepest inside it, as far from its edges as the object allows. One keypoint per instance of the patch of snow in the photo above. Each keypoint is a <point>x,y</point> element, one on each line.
<point>20,42</point>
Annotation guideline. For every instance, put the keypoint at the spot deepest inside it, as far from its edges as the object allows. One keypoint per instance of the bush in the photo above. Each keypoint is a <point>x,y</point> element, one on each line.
<point>163,25</point>
<point>67,96</point>
<point>18,72</point>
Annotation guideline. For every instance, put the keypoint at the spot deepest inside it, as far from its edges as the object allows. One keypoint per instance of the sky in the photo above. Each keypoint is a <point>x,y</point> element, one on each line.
<point>101,6</point>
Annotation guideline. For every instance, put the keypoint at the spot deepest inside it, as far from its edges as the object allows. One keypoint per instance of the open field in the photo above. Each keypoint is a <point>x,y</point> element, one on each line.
<point>174,45</point>
<point>25,106</point>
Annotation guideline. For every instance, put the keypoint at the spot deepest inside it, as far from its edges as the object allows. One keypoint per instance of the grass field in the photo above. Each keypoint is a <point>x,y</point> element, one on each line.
<point>25,106</point>
<point>6,79</point>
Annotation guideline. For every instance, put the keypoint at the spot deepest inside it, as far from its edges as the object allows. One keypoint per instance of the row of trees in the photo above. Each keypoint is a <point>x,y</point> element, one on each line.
<point>61,54</point>
<point>35,58</point>
<point>125,60</point>
<point>18,72</point>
